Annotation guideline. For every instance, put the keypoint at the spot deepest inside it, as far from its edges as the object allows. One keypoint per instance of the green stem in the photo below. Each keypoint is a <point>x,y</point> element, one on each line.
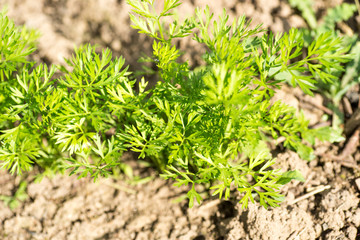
<point>158,23</point>
<point>160,29</point>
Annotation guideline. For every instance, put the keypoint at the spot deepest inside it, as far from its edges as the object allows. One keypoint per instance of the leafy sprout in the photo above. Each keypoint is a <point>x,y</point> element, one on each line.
<point>204,126</point>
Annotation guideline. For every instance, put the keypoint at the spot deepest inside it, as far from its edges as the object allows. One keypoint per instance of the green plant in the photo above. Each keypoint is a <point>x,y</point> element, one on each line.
<point>343,80</point>
<point>209,125</point>
<point>19,196</point>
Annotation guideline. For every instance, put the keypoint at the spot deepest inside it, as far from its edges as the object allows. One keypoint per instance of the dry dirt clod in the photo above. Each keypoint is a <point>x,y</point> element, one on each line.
<point>351,232</point>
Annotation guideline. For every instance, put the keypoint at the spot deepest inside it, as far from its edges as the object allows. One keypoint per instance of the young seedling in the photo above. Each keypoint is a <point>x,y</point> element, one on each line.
<point>209,125</point>
<point>342,80</point>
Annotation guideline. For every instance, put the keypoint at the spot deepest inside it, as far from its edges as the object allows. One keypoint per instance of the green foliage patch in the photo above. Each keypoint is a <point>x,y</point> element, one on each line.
<point>342,80</point>
<point>209,125</point>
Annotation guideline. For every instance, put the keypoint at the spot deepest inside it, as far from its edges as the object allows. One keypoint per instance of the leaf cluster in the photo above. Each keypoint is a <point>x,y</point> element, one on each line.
<point>343,78</point>
<point>63,123</point>
<point>209,125</point>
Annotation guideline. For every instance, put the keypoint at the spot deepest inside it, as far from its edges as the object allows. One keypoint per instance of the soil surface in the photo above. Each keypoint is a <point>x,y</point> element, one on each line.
<point>325,206</point>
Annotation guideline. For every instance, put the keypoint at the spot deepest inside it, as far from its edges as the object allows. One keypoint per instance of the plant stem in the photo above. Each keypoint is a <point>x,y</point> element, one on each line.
<point>160,28</point>
<point>158,22</point>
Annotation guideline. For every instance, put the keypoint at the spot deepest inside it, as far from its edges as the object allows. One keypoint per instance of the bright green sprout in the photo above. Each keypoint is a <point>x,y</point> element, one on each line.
<point>209,125</point>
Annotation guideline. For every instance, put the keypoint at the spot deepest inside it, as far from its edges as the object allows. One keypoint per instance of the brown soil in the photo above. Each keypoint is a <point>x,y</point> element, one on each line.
<point>66,208</point>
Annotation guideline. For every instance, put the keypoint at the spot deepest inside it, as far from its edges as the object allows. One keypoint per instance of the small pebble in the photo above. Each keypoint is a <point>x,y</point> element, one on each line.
<point>325,227</point>
<point>355,219</point>
<point>357,182</point>
<point>351,232</point>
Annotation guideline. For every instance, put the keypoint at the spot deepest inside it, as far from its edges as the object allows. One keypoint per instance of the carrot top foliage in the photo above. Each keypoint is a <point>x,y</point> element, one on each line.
<point>209,125</point>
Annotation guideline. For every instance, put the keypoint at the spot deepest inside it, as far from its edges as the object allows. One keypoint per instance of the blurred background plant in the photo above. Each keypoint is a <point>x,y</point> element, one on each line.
<point>335,23</point>
<point>13,201</point>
